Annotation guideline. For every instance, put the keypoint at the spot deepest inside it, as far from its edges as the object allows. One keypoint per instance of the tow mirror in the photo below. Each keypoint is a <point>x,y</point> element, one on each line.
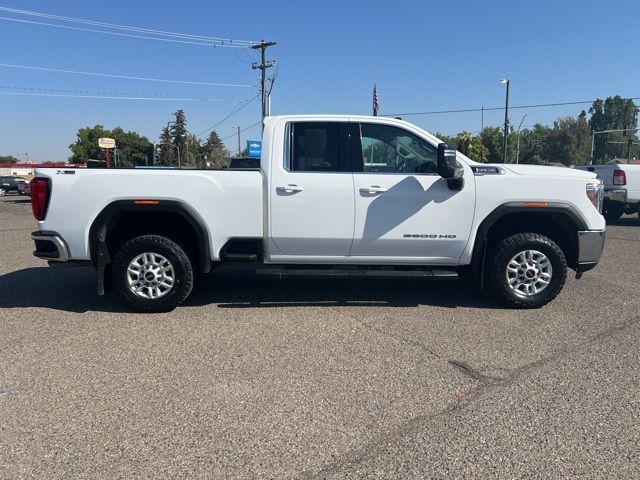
<point>449,168</point>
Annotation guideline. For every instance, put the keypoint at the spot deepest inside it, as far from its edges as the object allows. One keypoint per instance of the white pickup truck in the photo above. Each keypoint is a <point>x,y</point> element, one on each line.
<point>621,188</point>
<point>358,196</point>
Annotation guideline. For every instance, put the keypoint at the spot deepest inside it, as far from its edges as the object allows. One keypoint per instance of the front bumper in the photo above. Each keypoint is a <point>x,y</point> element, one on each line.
<point>50,246</point>
<point>590,246</point>
<point>616,194</point>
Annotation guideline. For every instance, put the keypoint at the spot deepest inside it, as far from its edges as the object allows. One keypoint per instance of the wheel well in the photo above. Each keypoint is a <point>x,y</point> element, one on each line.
<point>558,226</point>
<point>123,220</point>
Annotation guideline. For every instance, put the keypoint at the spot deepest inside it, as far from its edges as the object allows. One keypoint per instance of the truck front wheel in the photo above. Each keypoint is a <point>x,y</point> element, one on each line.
<point>526,270</point>
<point>152,273</point>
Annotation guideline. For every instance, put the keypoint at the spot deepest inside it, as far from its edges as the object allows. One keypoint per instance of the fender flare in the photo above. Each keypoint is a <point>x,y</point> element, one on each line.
<point>99,253</point>
<point>480,245</point>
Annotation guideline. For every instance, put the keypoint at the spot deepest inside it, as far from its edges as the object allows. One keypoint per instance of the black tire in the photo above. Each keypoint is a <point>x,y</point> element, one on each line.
<point>504,251</point>
<point>181,269</point>
<point>612,211</point>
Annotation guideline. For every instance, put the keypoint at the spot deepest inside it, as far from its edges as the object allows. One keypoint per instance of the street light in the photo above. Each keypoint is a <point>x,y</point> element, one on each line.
<point>506,82</point>
<point>518,147</point>
<point>239,149</point>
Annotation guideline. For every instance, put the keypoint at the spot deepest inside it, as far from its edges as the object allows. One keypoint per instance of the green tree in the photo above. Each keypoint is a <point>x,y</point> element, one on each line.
<point>214,150</point>
<point>86,146</point>
<point>614,113</point>
<point>165,153</point>
<point>492,140</point>
<point>569,141</point>
<point>448,139</point>
<point>193,149</point>
<point>533,144</point>
<point>472,146</point>
<point>131,147</point>
<point>179,133</point>
<point>8,159</point>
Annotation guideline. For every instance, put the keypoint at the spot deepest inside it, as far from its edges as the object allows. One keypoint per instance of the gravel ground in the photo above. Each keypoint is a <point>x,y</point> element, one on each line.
<point>331,378</point>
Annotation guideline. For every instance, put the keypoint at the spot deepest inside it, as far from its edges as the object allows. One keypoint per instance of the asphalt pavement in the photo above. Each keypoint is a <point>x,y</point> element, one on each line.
<point>262,378</point>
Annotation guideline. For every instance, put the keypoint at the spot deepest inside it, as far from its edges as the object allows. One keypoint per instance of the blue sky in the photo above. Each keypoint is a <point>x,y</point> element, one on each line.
<point>424,56</point>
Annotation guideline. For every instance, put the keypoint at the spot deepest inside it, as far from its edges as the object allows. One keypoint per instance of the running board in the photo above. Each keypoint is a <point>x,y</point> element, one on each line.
<point>241,257</point>
<point>281,272</point>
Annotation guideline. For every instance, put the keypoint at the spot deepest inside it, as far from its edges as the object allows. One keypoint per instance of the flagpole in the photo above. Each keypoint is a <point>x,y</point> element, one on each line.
<point>375,100</point>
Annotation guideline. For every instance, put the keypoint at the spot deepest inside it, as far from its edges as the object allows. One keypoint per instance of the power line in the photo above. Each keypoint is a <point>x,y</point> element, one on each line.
<point>127,27</point>
<point>32,94</point>
<point>94,92</point>
<point>233,112</point>
<point>243,130</point>
<point>130,35</point>
<point>466,110</point>
<point>126,77</point>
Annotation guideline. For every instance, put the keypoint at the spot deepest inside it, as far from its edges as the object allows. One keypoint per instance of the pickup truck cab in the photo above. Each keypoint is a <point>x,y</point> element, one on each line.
<point>621,188</point>
<point>335,195</point>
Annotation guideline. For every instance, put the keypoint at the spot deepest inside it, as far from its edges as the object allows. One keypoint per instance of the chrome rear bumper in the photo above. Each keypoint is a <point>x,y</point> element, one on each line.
<point>616,194</point>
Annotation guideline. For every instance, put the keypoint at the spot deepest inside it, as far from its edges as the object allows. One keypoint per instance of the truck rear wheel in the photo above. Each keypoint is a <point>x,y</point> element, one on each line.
<point>526,270</point>
<point>152,273</point>
<point>612,211</point>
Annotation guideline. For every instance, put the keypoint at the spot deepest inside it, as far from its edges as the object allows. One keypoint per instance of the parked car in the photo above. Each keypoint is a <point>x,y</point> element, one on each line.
<point>621,188</point>
<point>23,186</point>
<point>369,197</point>
<point>8,185</point>
<point>244,162</point>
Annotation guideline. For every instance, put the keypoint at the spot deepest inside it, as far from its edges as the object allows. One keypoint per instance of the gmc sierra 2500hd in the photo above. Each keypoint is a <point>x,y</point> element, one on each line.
<point>335,195</point>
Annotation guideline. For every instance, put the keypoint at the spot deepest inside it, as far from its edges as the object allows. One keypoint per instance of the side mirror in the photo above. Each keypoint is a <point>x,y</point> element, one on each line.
<point>449,168</point>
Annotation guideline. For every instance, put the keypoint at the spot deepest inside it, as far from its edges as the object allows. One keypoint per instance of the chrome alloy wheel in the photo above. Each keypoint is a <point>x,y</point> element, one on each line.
<point>150,275</point>
<point>529,272</point>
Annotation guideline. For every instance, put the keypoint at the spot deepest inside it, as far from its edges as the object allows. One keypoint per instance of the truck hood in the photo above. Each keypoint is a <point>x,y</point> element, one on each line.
<point>544,171</point>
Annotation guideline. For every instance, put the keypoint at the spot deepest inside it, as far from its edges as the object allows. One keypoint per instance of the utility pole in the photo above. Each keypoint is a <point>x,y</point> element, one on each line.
<point>262,66</point>
<point>506,121</point>
<point>239,148</point>
<point>631,129</point>
<point>518,147</point>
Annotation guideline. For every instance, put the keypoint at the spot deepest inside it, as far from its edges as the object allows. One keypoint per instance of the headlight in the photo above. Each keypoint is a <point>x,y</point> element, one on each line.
<point>594,192</point>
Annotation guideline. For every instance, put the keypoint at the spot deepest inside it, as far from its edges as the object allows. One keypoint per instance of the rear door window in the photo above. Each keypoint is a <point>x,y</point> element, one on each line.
<point>318,147</point>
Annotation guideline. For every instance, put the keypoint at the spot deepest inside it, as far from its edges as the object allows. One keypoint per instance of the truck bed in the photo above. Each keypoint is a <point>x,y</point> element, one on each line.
<point>232,198</point>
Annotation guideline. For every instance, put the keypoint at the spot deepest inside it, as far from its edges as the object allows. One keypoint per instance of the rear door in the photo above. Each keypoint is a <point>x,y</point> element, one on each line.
<point>311,193</point>
<point>404,211</point>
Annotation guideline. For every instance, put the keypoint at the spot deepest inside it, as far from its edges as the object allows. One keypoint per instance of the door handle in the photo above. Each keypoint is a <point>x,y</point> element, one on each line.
<point>290,188</point>
<point>373,189</point>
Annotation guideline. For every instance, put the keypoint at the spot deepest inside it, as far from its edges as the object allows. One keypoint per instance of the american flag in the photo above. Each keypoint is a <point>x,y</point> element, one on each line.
<point>376,103</point>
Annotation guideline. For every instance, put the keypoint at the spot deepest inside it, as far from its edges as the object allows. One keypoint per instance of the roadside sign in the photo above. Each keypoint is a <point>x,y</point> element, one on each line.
<point>106,143</point>
<point>254,147</point>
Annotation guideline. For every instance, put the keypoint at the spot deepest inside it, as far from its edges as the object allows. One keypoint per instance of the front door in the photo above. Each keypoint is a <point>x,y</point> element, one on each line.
<point>404,209</point>
<point>311,199</point>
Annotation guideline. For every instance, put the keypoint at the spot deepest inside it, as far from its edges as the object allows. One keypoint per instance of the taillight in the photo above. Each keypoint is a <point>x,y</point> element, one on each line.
<point>40,197</point>
<point>619,177</point>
